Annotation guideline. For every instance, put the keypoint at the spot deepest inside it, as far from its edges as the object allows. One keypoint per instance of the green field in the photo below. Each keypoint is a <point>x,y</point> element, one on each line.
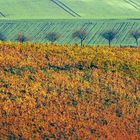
<point>37,17</point>
<point>67,9</point>
<point>37,30</point>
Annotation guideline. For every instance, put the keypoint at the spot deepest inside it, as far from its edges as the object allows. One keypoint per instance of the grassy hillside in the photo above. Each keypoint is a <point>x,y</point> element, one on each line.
<point>41,12</point>
<point>55,92</point>
<point>36,30</point>
<point>45,9</point>
<point>108,9</point>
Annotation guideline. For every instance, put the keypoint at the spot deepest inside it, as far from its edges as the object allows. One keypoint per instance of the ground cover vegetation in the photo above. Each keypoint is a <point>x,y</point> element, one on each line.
<point>50,91</point>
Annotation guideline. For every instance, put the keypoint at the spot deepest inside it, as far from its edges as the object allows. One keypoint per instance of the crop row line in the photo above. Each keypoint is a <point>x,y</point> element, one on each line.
<point>2,14</point>
<point>132,3</point>
<point>65,8</point>
<point>69,8</point>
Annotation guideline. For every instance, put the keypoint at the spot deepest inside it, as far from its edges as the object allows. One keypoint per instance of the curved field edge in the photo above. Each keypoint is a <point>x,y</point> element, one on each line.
<point>69,92</point>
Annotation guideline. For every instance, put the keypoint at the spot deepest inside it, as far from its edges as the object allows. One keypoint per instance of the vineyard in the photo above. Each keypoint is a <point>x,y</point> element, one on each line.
<point>36,30</point>
<point>69,69</point>
<point>55,92</point>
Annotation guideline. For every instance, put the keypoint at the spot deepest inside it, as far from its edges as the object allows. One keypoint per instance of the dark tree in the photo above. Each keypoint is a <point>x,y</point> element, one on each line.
<point>2,37</point>
<point>80,34</point>
<point>136,36</point>
<point>22,38</point>
<point>52,36</point>
<point>109,36</point>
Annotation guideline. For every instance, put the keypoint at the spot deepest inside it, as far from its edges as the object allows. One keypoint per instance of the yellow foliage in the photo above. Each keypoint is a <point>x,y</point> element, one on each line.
<point>69,92</point>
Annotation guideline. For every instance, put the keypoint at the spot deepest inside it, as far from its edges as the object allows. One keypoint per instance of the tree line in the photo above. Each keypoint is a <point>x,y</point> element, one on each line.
<point>80,34</point>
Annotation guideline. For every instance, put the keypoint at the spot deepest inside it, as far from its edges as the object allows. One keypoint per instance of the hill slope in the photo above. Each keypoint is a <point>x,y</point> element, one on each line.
<point>67,9</point>
<point>36,30</point>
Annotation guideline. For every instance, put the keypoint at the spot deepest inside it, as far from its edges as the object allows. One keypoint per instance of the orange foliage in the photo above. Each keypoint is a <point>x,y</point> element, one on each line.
<point>69,92</point>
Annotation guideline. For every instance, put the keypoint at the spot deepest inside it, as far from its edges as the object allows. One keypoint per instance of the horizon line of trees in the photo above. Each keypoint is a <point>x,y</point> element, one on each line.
<point>52,37</point>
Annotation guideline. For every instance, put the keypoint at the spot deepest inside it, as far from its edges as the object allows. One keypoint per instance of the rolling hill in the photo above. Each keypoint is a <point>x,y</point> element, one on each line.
<point>37,29</point>
<point>69,9</point>
<point>51,88</point>
<point>35,18</point>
